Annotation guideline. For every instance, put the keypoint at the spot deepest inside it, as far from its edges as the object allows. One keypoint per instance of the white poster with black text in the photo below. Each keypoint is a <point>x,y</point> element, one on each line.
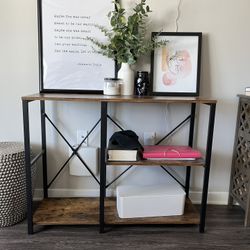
<point>68,59</point>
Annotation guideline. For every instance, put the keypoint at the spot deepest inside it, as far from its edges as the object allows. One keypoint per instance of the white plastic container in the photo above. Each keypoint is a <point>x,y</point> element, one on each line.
<point>150,201</point>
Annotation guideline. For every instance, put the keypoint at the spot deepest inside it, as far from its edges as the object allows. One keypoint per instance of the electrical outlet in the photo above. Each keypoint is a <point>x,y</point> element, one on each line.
<point>81,134</point>
<point>149,138</point>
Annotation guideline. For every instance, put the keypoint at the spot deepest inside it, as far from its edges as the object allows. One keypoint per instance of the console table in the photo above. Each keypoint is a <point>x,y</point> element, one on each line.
<point>102,210</point>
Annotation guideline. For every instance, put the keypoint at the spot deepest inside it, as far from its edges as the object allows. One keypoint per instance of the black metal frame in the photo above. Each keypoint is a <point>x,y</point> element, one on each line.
<point>28,166</point>
<point>166,34</point>
<point>103,143</point>
<point>43,155</point>
<point>207,166</point>
<point>191,117</point>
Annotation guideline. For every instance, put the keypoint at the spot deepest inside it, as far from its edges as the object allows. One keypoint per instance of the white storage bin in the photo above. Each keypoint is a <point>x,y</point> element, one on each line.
<point>150,201</point>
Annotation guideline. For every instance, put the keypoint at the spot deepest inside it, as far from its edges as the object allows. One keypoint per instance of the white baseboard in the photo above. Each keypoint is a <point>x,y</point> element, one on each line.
<point>61,192</point>
<point>217,198</point>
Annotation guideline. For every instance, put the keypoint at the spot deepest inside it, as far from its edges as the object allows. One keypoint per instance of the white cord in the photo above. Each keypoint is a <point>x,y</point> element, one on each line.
<point>168,121</point>
<point>178,15</point>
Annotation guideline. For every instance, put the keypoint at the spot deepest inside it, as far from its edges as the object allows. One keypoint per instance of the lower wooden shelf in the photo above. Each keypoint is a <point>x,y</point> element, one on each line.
<point>85,211</point>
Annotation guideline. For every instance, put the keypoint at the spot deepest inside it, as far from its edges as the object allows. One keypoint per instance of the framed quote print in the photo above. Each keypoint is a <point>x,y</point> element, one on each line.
<point>175,67</point>
<point>68,63</point>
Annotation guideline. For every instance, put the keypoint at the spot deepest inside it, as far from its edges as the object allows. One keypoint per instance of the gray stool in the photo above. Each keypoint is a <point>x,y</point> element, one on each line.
<point>12,183</point>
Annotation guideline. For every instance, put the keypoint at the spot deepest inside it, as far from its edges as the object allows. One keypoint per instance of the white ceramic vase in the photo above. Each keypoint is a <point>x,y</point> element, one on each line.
<point>127,75</point>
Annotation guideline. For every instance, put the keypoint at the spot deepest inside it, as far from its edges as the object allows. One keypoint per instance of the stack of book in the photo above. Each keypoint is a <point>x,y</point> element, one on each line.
<point>247,91</point>
<point>163,152</point>
<point>117,154</point>
<point>157,152</point>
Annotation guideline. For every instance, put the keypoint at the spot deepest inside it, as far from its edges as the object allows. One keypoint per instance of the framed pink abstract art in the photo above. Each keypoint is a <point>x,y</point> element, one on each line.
<point>175,67</point>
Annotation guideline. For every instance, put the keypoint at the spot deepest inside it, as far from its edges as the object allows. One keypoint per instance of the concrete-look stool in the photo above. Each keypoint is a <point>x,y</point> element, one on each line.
<point>12,183</point>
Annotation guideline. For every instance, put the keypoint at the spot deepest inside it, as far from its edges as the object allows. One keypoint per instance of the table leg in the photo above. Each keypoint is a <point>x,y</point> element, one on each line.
<point>103,165</point>
<point>28,166</point>
<point>44,149</point>
<point>207,167</point>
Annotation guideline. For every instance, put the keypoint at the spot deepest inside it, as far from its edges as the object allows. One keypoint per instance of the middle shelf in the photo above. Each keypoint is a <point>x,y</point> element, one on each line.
<point>200,162</point>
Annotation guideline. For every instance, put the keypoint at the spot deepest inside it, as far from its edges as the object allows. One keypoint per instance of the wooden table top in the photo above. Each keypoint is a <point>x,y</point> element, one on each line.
<point>116,99</point>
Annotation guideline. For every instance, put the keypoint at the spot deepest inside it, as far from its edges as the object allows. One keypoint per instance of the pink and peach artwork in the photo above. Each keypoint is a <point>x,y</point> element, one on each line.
<point>175,65</point>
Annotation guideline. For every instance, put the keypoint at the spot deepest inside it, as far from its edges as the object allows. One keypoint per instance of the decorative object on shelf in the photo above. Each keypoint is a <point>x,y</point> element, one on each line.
<point>67,61</point>
<point>247,91</point>
<point>142,83</point>
<point>175,68</point>
<point>126,40</point>
<point>112,86</point>
<point>127,75</point>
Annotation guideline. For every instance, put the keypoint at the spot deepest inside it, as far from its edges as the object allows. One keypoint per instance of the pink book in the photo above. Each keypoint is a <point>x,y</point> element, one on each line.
<point>171,152</point>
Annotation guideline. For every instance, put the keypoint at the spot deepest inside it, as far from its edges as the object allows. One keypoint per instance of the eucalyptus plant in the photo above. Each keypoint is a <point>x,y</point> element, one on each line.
<point>126,40</point>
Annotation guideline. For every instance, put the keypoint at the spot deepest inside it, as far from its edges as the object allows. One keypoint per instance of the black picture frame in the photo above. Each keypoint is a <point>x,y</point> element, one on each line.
<point>175,68</point>
<point>61,74</point>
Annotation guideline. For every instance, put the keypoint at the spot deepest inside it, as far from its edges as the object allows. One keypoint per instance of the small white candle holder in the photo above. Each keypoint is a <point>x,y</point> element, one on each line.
<point>112,86</point>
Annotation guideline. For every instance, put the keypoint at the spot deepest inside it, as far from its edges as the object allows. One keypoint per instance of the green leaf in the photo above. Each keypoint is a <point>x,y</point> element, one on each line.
<point>126,40</point>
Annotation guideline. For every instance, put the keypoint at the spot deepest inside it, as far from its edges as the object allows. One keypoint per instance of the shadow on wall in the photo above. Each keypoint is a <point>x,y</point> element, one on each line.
<point>205,79</point>
<point>219,177</point>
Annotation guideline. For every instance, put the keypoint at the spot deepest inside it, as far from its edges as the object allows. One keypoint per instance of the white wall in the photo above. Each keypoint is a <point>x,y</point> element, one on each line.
<point>225,73</point>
